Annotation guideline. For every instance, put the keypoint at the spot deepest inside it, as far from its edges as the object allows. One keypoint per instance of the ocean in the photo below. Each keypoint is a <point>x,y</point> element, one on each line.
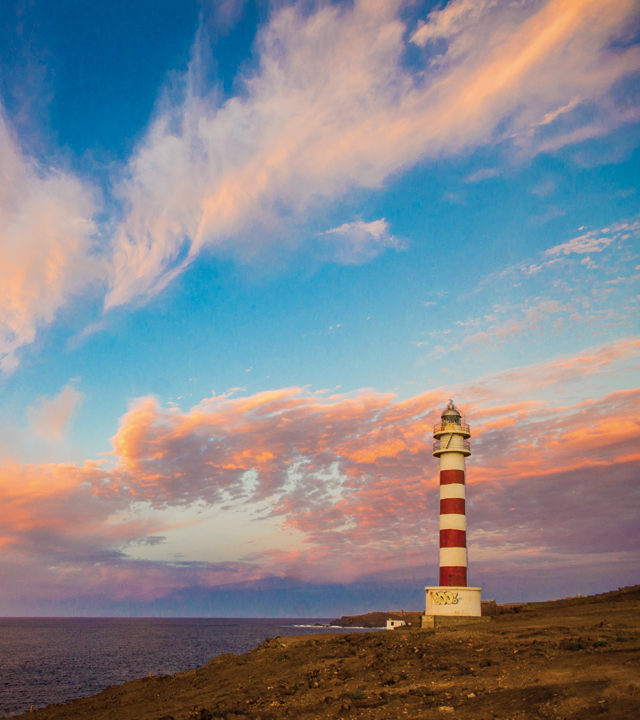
<point>53,660</point>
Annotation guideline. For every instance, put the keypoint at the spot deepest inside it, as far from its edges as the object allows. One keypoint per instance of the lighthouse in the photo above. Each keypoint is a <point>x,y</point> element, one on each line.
<point>452,446</point>
<point>452,600</point>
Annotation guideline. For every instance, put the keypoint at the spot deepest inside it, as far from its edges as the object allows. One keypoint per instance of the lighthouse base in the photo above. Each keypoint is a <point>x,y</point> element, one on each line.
<point>448,605</point>
<point>431,622</point>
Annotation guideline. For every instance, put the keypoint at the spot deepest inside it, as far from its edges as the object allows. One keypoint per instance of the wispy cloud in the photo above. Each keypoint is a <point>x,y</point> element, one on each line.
<point>558,289</point>
<point>482,174</point>
<point>358,242</point>
<point>594,241</point>
<point>544,188</point>
<point>46,244</point>
<point>588,241</point>
<point>551,116</point>
<point>332,106</point>
<point>530,318</point>
<point>50,419</point>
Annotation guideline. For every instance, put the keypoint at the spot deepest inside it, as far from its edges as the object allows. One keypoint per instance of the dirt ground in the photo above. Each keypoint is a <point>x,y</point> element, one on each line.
<point>568,660</point>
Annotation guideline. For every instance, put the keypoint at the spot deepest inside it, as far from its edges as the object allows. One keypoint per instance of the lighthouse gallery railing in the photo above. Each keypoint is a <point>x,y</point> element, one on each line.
<point>442,428</point>
<point>444,445</point>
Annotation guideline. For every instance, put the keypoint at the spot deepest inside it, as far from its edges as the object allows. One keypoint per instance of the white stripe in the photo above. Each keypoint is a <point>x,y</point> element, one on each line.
<point>454,490</point>
<point>451,461</point>
<point>451,521</point>
<point>453,557</point>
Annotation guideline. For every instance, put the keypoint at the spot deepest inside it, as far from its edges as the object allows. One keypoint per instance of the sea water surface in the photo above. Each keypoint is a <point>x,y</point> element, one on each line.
<point>53,660</point>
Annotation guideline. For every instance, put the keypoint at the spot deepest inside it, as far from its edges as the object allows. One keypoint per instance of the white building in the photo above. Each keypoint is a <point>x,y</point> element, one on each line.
<point>392,624</point>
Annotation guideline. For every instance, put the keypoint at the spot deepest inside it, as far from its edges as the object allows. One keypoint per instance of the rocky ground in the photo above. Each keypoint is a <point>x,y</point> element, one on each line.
<point>573,660</point>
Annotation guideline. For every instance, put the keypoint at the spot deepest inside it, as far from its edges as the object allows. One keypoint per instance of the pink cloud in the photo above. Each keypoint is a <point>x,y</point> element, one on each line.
<point>566,296</point>
<point>46,232</point>
<point>333,106</point>
<point>50,418</point>
<point>594,241</point>
<point>353,475</point>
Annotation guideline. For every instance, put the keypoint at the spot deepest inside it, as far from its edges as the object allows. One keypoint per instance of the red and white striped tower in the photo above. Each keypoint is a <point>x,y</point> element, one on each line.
<point>453,600</point>
<point>452,446</point>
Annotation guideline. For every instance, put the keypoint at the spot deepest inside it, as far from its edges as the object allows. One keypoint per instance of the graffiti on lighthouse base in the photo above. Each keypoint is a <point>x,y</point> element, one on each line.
<point>445,598</point>
<point>453,601</point>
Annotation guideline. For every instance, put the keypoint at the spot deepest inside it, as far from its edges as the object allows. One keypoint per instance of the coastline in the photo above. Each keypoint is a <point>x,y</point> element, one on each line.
<point>573,658</point>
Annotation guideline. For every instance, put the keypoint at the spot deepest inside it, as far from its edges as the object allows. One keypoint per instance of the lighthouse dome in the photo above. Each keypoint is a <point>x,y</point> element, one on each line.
<point>451,415</point>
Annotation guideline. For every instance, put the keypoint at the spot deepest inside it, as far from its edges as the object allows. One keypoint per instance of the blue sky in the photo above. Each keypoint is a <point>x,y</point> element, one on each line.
<point>215,215</point>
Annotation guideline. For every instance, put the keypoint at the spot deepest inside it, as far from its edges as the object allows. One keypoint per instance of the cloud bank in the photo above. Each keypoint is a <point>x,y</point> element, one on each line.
<point>551,487</point>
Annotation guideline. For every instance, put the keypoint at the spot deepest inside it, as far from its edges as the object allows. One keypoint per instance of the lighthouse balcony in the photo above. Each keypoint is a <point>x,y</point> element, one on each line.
<point>446,429</point>
<point>452,443</point>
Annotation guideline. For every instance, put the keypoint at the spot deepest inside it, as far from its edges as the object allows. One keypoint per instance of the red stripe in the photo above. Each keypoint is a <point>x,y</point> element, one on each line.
<point>450,506</point>
<point>453,538</point>
<point>449,477</point>
<point>450,576</point>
